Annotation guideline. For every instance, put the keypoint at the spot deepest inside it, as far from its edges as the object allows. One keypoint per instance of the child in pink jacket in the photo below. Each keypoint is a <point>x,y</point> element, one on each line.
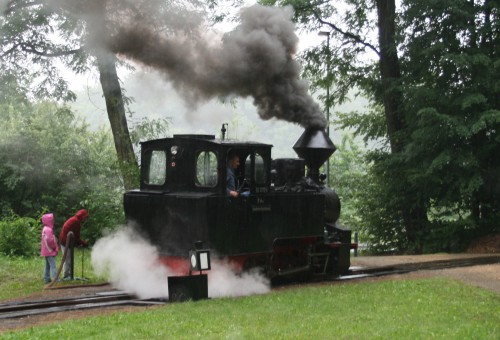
<point>49,247</point>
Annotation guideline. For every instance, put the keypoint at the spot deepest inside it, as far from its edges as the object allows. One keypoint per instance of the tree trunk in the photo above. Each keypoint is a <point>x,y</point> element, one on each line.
<point>390,72</point>
<point>414,212</point>
<point>106,62</point>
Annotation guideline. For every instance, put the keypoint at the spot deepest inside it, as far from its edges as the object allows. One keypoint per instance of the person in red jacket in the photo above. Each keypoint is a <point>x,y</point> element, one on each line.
<point>73,224</point>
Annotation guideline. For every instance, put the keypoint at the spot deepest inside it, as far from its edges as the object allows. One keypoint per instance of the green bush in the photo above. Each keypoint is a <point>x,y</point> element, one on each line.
<point>19,236</point>
<point>80,168</point>
<point>105,209</point>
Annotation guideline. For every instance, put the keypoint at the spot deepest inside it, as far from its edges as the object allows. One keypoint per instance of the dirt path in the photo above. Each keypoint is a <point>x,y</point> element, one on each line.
<point>484,276</point>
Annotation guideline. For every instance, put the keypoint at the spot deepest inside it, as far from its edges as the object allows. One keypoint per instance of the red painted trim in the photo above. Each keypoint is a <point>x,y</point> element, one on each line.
<point>181,266</point>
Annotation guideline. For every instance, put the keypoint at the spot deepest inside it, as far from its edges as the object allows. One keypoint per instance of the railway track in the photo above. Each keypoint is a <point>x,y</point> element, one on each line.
<point>110,299</point>
<point>100,300</point>
<point>360,272</point>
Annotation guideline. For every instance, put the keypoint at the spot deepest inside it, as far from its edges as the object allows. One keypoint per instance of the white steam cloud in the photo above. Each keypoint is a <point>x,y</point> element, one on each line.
<point>222,281</point>
<point>131,264</point>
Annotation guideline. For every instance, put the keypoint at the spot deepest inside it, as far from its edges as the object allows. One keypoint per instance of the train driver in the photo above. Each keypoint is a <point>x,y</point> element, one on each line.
<point>233,162</point>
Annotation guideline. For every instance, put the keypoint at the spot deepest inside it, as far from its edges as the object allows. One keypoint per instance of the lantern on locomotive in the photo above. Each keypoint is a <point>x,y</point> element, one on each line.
<point>286,225</point>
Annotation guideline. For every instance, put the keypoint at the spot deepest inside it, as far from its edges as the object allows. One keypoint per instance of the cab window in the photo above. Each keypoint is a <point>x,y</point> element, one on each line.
<point>259,171</point>
<point>157,168</point>
<point>206,169</point>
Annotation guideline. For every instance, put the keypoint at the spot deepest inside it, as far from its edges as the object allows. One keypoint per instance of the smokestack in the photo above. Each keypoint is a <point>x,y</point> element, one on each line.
<point>314,146</point>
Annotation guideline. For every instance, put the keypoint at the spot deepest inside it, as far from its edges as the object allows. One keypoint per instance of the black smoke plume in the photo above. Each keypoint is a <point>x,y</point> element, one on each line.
<point>255,59</point>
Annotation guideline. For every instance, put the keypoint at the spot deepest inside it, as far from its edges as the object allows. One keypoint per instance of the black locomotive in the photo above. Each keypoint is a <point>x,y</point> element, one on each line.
<point>283,221</point>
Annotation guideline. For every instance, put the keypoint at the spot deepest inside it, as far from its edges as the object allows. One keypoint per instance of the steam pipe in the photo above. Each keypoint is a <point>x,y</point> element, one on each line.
<point>223,131</point>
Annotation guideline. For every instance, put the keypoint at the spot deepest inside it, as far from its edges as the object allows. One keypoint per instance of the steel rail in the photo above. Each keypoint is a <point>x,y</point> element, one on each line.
<point>416,266</point>
<point>22,309</point>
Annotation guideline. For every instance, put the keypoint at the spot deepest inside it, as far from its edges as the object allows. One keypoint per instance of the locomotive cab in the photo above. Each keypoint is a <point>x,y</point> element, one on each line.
<point>197,163</point>
<point>275,223</point>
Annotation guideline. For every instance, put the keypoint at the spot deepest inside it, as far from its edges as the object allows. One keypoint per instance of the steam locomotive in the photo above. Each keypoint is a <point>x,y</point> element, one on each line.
<point>283,222</point>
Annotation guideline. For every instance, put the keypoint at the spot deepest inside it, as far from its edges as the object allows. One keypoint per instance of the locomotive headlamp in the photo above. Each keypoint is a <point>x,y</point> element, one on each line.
<point>199,258</point>
<point>174,149</point>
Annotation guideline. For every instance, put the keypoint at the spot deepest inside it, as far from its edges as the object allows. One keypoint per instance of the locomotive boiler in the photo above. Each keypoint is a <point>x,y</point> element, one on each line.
<point>283,221</point>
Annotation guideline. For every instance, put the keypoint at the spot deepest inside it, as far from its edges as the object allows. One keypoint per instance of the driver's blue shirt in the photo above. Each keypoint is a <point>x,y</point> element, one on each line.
<point>231,181</point>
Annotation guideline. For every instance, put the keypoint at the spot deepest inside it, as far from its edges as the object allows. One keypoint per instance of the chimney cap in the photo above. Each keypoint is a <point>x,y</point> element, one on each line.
<point>314,146</point>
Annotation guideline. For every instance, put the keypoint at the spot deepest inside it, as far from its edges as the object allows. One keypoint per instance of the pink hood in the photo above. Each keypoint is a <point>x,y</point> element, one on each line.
<point>48,220</point>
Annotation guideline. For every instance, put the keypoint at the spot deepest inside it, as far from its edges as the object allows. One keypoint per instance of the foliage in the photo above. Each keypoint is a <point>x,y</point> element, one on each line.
<point>105,206</point>
<point>19,236</point>
<point>34,37</point>
<point>369,125</point>
<point>50,161</point>
<point>380,218</point>
<point>348,173</point>
<point>37,37</point>
<point>351,53</point>
<point>452,91</point>
<point>351,57</point>
<point>451,236</point>
<point>146,129</point>
<point>430,308</point>
<point>440,186</point>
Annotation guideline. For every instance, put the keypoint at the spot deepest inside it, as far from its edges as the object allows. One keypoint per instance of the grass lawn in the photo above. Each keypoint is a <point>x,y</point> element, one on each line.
<point>408,309</point>
<point>23,276</point>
